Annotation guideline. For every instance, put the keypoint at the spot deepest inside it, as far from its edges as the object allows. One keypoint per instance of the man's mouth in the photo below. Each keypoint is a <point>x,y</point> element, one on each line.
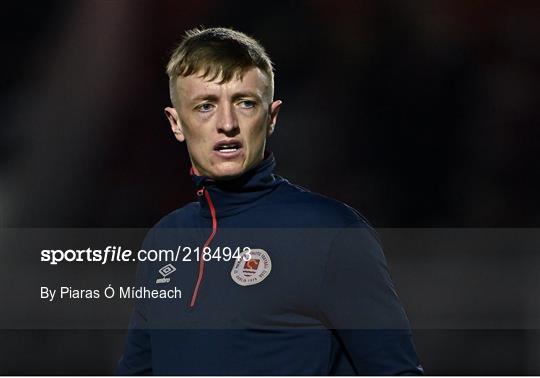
<point>228,146</point>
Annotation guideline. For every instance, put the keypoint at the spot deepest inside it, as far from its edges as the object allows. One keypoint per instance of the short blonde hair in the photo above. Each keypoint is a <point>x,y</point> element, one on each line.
<point>217,52</point>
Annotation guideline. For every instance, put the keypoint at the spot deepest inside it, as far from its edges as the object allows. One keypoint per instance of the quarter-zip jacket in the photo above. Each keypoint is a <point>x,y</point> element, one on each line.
<point>324,305</point>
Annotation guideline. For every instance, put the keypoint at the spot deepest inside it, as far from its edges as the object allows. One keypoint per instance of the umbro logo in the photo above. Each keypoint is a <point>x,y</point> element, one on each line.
<point>165,271</point>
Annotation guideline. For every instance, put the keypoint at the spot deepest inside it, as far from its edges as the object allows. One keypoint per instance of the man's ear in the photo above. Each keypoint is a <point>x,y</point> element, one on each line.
<point>274,110</point>
<point>176,125</point>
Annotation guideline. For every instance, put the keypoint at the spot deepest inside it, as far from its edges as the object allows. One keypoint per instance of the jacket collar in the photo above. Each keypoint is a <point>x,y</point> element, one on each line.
<point>234,196</point>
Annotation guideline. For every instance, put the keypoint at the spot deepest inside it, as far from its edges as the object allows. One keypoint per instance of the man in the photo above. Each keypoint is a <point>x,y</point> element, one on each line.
<point>310,295</point>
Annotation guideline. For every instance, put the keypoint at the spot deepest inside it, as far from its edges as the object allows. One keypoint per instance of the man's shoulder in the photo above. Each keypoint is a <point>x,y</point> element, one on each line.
<point>182,217</point>
<point>322,210</point>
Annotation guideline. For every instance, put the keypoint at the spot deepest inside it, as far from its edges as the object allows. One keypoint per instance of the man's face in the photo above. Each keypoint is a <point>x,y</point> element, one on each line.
<point>224,125</point>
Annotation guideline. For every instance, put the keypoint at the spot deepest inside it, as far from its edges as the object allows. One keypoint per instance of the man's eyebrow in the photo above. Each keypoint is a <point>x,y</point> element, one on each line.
<point>208,97</point>
<point>244,94</point>
<point>235,96</point>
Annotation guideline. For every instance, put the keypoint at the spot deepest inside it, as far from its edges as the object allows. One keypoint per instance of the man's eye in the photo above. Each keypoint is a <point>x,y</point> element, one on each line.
<point>205,107</point>
<point>247,104</point>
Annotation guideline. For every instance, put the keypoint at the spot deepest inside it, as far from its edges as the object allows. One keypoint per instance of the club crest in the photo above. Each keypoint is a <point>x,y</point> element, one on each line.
<point>251,271</point>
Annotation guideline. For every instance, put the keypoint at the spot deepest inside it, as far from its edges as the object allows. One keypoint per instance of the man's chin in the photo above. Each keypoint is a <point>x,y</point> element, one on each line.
<point>227,173</point>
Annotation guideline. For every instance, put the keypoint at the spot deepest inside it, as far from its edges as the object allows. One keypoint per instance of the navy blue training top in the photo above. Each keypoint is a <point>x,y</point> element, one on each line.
<point>314,297</point>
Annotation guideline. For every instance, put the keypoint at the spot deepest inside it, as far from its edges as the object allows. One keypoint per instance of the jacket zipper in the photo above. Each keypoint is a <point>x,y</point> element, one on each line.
<point>200,193</point>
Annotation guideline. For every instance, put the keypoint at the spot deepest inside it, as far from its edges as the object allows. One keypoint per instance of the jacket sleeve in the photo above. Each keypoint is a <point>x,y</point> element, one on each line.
<point>137,355</point>
<point>360,305</point>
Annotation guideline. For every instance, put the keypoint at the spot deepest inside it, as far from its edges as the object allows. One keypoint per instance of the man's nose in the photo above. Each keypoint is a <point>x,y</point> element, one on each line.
<point>227,120</point>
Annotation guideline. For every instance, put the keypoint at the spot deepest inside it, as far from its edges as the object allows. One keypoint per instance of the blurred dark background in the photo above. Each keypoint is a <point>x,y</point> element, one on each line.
<point>419,114</point>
